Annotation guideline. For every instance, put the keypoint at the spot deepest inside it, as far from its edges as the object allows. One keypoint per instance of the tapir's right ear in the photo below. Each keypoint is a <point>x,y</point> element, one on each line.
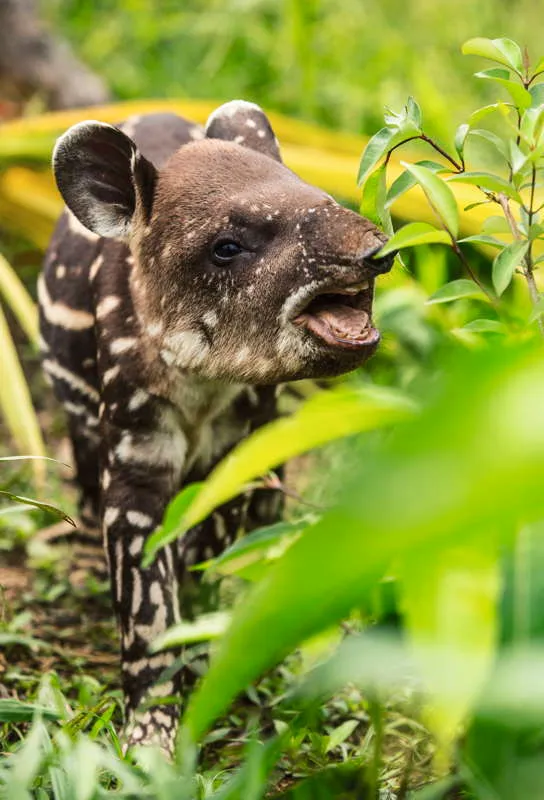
<point>103,178</point>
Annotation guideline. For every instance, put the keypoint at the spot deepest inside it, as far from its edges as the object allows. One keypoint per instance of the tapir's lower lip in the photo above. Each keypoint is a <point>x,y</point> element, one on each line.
<point>341,317</point>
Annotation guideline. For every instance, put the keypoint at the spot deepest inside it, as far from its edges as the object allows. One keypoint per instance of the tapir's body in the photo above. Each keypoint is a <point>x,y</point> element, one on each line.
<point>213,274</point>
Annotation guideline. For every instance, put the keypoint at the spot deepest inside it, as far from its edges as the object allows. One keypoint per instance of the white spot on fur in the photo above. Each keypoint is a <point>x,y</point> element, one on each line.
<point>139,519</point>
<point>60,271</point>
<point>107,305</point>
<point>95,266</point>
<point>111,374</point>
<point>55,370</point>
<point>61,315</point>
<point>110,515</point>
<point>188,348</point>
<point>136,545</point>
<point>138,399</point>
<point>106,479</point>
<point>137,596</point>
<point>210,319</point>
<point>122,344</point>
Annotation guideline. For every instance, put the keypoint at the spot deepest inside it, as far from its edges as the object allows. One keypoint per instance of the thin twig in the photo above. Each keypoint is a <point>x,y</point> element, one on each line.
<point>458,167</point>
<point>528,268</point>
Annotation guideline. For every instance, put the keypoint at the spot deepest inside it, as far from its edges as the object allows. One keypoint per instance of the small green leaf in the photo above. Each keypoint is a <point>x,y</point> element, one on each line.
<point>406,181</point>
<point>484,326</point>
<point>502,51</point>
<point>484,111</point>
<point>482,239</point>
<point>539,66</point>
<point>413,112</point>
<point>454,290</point>
<point>413,234</point>
<point>505,264</point>
<point>16,711</point>
<point>460,138</point>
<point>499,145</point>
<point>486,180</point>
<point>28,501</point>
<point>439,194</point>
<point>375,149</point>
<point>341,733</point>
<point>495,224</point>
<point>171,527</point>
<point>373,200</point>
<point>521,97</point>
<point>202,629</point>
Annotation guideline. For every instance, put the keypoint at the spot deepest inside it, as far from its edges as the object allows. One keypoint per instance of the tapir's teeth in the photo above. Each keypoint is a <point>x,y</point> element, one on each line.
<point>355,289</point>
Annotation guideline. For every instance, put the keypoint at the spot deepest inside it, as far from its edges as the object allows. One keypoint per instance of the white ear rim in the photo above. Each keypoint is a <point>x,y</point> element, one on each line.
<point>101,223</point>
<point>230,110</point>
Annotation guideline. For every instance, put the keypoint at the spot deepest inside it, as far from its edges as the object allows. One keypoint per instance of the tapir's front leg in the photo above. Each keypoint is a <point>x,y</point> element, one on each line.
<point>140,474</point>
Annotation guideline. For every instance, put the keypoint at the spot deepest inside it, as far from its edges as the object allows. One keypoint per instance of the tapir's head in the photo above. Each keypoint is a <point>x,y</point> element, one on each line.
<point>245,272</point>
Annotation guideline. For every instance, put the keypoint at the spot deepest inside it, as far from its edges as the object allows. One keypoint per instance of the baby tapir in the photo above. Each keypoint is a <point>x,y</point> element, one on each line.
<point>190,275</point>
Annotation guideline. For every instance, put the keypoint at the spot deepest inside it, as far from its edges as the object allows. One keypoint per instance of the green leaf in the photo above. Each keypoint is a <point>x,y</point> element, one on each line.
<point>438,194</point>
<point>255,546</point>
<point>171,527</point>
<point>502,51</point>
<point>505,264</point>
<point>381,143</point>
<point>413,234</point>
<point>484,111</point>
<point>485,326</point>
<point>482,239</point>
<point>16,711</point>
<point>428,485</point>
<point>373,200</point>
<point>325,417</point>
<point>413,112</point>
<point>496,224</point>
<point>375,149</point>
<point>521,97</point>
<point>28,501</point>
<point>454,290</point>
<point>486,180</point>
<point>460,138</point>
<point>450,603</point>
<point>203,629</point>
<point>341,733</point>
<point>406,181</point>
<point>498,144</point>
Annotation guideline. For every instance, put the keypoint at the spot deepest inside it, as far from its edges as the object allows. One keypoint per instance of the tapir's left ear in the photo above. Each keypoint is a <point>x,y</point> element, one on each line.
<point>246,124</point>
<point>103,178</point>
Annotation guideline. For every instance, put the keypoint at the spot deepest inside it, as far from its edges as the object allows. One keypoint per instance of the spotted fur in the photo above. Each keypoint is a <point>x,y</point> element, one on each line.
<point>165,359</point>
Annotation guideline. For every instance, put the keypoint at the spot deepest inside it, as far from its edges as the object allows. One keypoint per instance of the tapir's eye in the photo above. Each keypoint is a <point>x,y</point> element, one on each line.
<point>226,250</point>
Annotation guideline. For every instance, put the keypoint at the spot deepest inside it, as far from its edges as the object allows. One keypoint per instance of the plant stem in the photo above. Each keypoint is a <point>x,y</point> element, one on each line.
<point>458,167</point>
<point>528,266</point>
<point>470,272</point>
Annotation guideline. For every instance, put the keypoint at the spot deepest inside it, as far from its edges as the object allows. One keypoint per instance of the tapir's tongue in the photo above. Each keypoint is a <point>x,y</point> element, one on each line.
<point>343,321</point>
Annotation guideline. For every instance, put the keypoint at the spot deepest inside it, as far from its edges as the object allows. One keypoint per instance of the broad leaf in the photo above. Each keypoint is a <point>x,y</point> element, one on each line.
<point>323,418</point>
<point>413,234</point>
<point>460,138</point>
<point>485,326</point>
<point>438,194</point>
<point>450,604</point>
<point>502,51</point>
<point>483,239</point>
<point>486,180</point>
<point>521,96</point>
<point>203,629</point>
<point>406,181</point>
<point>375,149</point>
<point>505,264</point>
<point>456,290</point>
<point>373,200</point>
<point>498,144</point>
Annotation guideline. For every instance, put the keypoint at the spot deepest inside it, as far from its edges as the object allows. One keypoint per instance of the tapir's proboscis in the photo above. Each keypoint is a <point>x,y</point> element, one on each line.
<point>191,274</point>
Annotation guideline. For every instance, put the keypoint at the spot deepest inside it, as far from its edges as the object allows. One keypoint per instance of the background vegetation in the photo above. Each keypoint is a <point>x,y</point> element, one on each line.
<point>389,642</point>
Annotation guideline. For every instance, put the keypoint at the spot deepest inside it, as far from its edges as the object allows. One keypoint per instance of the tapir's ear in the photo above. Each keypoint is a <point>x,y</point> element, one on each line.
<point>103,178</point>
<point>246,124</point>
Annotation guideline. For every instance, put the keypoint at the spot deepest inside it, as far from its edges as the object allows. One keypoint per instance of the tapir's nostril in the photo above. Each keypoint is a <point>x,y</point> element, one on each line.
<point>377,264</point>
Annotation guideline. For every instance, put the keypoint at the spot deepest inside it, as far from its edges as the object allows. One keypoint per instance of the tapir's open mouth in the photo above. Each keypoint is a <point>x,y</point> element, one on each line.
<point>341,317</point>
